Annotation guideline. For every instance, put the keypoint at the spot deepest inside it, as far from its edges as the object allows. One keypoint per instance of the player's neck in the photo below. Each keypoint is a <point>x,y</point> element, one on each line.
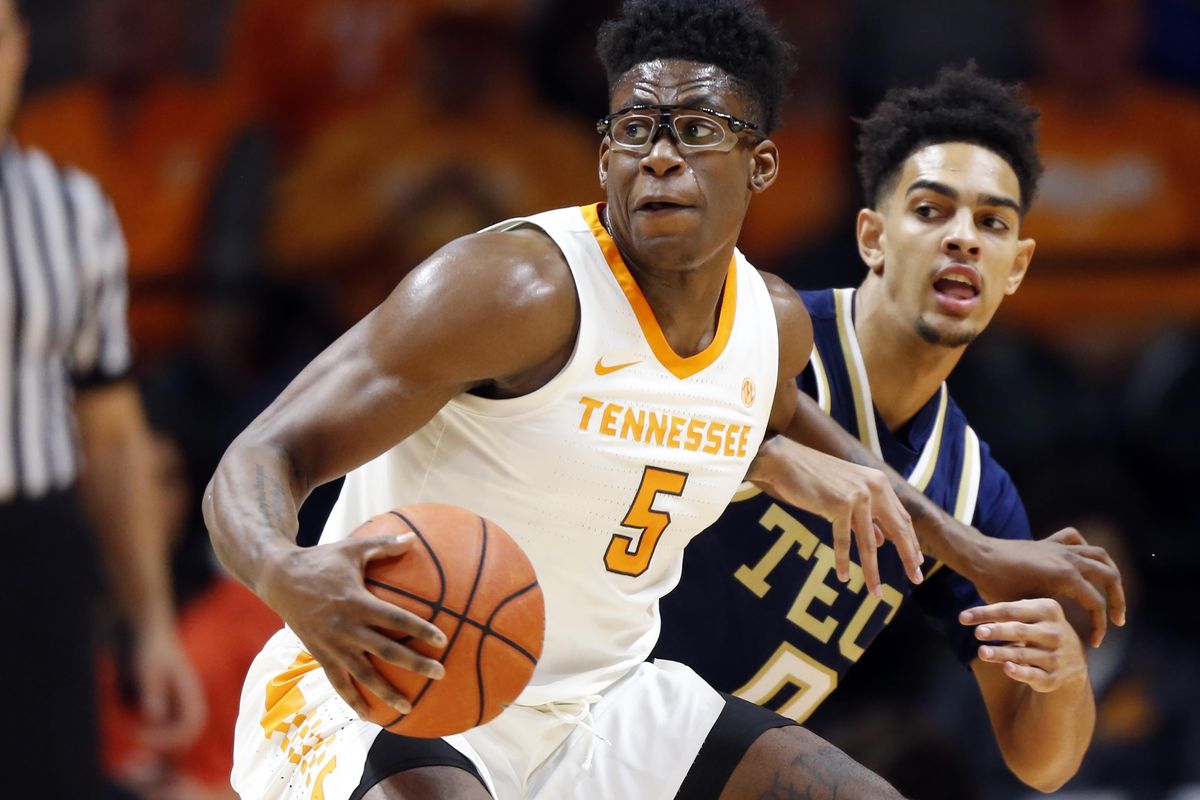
<point>903,369</point>
<point>685,304</point>
<point>686,299</point>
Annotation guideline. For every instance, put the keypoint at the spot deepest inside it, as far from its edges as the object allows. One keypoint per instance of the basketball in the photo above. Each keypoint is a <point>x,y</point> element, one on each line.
<point>468,577</point>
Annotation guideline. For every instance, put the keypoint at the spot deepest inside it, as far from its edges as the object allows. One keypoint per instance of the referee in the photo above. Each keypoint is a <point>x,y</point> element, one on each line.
<point>75,457</point>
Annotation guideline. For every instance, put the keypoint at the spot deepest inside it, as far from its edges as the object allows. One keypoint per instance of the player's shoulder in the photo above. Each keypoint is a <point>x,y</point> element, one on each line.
<point>485,306</point>
<point>795,326</point>
<point>789,308</point>
<point>505,295</point>
<point>521,268</point>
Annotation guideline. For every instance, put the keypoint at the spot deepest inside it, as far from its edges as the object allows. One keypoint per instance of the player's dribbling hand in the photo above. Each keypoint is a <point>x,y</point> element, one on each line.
<point>1060,565</point>
<point>1033,641</point>
<point>320,594</point>
<point>858,501</point>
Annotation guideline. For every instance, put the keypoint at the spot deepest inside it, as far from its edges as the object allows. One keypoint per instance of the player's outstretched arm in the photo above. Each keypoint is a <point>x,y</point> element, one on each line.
<point>857,500</point>
<point>1033,676</point>
<point>1001,569</point>
<point>495,312</point>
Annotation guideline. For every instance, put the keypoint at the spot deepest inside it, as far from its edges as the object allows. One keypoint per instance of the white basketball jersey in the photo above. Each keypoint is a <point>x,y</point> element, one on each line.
<point>604,474</point>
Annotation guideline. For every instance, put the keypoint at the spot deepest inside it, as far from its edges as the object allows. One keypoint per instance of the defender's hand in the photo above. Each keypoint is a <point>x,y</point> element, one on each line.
<point>856,500</point>
<point>1034,642</point>
<point>1063,564</point>
<point>320,593</point>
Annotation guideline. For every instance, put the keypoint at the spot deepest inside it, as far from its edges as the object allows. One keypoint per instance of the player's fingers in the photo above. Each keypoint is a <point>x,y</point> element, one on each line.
<point>1035,677</point>
<point>880,539</point>
<point>909,549</point>
<point>1043,635</point>
<point>897,527</point>
<point>1092,601</point>
<point>364,672</point>
<point>397,621</point>
<point>1018,654</point>
<point>841,547</point>
<point>1067,536</point>
<point>370,548</point>
<point>1032,610</point>
<point>1106,576</point>
<point>864,536</point>
<point>339,678</point>
<point>394,652</point>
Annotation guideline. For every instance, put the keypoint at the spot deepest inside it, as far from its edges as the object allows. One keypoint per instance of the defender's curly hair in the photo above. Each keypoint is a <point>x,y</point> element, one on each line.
<point>960,106</point>
<point>735,35</point>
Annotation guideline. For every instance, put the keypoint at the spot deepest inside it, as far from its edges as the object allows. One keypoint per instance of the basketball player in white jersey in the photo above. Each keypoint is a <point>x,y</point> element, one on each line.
<point>555,373</point>
<point>546,373</point>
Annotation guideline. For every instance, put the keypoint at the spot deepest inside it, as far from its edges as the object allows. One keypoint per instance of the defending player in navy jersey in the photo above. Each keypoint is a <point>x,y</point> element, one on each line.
<point>949,171</point>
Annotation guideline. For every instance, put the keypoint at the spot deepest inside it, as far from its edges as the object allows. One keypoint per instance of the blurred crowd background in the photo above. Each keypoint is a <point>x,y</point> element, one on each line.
<point>277,166</point>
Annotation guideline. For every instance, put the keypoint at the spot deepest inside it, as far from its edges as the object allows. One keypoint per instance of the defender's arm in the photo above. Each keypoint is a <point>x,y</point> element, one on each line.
<point>1033,675</point>
<point>857,500</point>
<point>1001,569</point>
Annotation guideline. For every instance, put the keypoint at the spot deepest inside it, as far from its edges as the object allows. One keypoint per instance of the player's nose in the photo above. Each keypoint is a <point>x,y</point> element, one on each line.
<point>664,156</point>
<point>962,237</point>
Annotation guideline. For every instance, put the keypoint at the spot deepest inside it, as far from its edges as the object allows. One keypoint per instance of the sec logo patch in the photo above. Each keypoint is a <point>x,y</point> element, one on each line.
<point>748,392</point>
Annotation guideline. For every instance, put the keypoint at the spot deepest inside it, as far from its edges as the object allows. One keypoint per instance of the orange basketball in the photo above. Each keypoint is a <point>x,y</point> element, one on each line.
<point>468,577</point>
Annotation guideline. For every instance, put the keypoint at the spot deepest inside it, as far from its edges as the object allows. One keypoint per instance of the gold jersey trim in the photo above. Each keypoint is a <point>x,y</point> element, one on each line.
<point>679,366</point>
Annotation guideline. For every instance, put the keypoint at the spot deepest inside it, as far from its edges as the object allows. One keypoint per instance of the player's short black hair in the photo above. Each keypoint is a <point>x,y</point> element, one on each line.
<point>735,35</point>
<point>960,106</point>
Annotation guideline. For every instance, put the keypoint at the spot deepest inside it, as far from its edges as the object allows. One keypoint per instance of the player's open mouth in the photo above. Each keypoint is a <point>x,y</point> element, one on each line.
<point>660,205</point>
<point>957,287</point>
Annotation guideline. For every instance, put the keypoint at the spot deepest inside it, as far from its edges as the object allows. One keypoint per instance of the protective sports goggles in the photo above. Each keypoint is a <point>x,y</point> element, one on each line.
<point>635,128</point>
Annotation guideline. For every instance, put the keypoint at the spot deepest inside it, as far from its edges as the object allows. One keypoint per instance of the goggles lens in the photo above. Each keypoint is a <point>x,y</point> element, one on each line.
<point>637,127</point>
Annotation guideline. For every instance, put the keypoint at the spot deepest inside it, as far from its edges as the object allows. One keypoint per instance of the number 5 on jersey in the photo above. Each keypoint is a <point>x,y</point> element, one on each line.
<point>627,555</point>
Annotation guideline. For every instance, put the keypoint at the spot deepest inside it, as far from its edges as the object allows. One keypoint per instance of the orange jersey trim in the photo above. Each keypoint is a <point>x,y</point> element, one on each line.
<point>674,363</point>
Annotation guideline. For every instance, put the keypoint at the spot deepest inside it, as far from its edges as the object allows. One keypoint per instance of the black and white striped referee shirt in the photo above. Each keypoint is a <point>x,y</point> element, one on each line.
<point>63,299</point>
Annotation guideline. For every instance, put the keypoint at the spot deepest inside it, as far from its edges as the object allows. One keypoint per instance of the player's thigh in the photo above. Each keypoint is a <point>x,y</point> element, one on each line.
<point>406,768</point>
<point>429,783</point>
<point>734,735</point>
<point>794,762</point>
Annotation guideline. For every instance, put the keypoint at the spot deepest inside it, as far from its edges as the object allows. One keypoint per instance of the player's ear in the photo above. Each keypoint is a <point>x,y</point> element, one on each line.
<point>869,230</point>
<point>605,150</point>
<point>1025,248</point>
<point>765,165</point>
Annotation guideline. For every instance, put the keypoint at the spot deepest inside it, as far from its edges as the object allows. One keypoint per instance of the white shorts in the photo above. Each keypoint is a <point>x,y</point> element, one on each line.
<point>296,738</point>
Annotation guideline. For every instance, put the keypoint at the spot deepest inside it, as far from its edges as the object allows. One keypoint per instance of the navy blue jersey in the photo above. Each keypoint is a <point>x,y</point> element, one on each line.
<point>760,612</point>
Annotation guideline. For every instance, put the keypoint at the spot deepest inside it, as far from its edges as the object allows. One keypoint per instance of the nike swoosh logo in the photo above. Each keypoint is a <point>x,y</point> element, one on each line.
<point>602,369</point>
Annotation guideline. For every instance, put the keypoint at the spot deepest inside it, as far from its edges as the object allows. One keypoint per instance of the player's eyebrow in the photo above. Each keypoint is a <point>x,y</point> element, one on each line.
<point>699,101</point>
<point>952,193</point>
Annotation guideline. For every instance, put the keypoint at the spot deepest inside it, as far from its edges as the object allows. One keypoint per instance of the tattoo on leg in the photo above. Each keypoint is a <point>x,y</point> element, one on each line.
<point>823,772</point>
